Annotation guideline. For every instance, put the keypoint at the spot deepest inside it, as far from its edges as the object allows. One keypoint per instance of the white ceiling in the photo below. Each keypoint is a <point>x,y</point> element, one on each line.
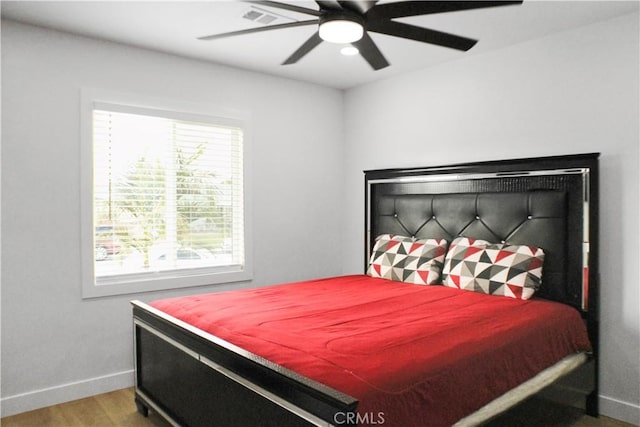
<point>174,27</point>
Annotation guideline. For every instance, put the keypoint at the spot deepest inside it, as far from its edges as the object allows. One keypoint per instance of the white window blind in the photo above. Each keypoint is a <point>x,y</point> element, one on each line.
<point>167,194</point>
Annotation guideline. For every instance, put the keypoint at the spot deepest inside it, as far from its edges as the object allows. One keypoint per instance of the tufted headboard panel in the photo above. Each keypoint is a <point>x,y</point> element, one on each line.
<point>550,203</point>
<point>533,218</point>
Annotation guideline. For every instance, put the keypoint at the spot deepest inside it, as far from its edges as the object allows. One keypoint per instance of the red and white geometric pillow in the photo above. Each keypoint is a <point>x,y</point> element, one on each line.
<point>498,269</point>
<point>403,259</point>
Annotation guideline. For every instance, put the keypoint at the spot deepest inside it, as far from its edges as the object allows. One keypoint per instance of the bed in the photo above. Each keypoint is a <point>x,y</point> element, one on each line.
<point>400,345</point>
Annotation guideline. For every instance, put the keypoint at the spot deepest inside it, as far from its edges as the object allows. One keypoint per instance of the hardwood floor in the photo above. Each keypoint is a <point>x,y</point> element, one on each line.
<point>104,410</point>
<point>117,409</point>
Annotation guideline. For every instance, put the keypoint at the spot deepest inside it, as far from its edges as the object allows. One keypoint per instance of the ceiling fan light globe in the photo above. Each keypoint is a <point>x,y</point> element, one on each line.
<point>341,31</point>
<point>349,51</point>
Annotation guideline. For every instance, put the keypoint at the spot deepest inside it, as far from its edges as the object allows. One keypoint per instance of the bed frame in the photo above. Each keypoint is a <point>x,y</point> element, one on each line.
<point>193,378</point>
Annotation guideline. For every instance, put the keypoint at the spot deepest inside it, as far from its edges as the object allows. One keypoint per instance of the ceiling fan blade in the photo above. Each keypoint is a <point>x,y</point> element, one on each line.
<point>359,6</point>
<point>306,47</point>
<point>425,35</point>
<point>414,8</point>
<point>259,29</point>
<point>370,52</point>
<point>329,4</point>
<point>286,6</point>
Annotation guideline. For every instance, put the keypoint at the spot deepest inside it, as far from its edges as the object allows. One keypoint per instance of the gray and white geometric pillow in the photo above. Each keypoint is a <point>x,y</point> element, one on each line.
<point>493,268</point>
<point>404,259</point>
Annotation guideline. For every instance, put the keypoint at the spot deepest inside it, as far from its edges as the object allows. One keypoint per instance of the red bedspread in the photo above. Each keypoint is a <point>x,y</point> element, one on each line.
<point>412,355</point>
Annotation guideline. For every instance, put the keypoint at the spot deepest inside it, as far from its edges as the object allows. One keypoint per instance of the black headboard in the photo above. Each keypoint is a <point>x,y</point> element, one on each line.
<point>548,202</point>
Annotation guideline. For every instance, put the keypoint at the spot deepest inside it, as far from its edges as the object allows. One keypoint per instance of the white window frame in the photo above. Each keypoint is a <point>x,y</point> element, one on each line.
<point>95,99</point>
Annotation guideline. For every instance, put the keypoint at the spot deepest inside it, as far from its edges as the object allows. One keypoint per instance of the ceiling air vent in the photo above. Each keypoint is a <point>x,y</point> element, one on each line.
<point>265,17</point>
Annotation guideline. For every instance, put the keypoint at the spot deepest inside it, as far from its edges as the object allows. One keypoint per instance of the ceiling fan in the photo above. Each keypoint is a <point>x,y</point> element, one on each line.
<point>348,22</point>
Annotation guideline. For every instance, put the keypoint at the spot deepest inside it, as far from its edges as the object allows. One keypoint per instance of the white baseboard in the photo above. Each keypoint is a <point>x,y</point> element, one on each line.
<point>623,411</point>
<point>24,402</point>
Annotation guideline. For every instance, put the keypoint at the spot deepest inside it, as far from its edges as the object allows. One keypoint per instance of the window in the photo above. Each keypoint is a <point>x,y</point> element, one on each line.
<point>167,203</point>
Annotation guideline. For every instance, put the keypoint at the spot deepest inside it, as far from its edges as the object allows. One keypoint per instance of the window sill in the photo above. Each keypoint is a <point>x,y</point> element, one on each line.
<point>162,281</point>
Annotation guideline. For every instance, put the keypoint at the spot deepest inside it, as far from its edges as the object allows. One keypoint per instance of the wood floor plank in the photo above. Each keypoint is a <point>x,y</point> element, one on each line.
<point>105,410</point>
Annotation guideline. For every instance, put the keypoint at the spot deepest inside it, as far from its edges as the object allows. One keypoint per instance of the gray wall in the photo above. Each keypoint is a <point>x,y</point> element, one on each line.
<point>573,92</point>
